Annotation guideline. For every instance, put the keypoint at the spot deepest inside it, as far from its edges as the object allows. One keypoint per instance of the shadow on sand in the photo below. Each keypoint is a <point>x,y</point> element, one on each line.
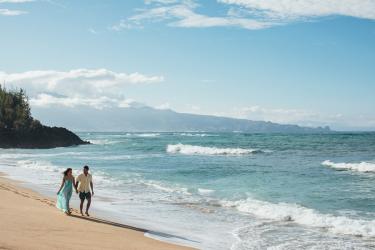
<point>110,223</point>
<point>115,224</point>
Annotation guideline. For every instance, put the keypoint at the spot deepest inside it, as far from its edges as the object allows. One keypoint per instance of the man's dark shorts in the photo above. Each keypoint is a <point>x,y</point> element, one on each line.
<point>83,195</point>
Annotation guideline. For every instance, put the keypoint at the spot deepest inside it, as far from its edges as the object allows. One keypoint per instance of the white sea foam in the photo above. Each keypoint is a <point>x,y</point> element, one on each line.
<point>191,150</point>
<point>104,179</point>
<point>51,171</point>
<point>38,165</point>
<point>143,134</point>
<point>103,142</point>
<point>196,134</point>
<point>304,216</point>
<point>44,167</point>
<point>204,191</point>
<point>12,156</point>
<point>107,157</point>
<point>164,187</point>
<point>360,167</point>
<point>148,135</point>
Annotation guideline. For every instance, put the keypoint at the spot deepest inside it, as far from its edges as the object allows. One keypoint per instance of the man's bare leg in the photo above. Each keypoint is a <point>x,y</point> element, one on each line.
<point>88,206</point>
<point>81,207</point>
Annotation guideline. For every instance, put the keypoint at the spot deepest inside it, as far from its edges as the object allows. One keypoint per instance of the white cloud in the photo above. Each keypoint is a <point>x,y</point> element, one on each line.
<point>161,1</point>
<point>291,9</point>
<point>192,108</point>
<point>189,18</point>
<point>127,103</point>
<point>126,25</point>
<point>195,107</point>
<point>48,100</point>
<point>303,117</point>
<point>277,115</point>
<point>93,31</point>
<point>90,80</point>
<point>95,87</point>
<point>16,1</point>
<point>8,12</point>
<point>248,14</point>
<point>164,106</point>
<point>183,14</point>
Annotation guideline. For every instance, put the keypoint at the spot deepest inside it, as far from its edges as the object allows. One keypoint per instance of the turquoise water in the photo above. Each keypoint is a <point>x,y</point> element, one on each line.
<point>224,191</point>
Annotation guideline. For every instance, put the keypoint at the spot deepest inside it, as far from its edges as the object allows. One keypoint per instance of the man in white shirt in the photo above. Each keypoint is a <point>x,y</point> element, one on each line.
<point>85,188</point>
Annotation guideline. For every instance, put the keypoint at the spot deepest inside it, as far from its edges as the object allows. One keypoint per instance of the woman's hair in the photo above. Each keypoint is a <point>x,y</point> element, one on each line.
<point>67,171</point>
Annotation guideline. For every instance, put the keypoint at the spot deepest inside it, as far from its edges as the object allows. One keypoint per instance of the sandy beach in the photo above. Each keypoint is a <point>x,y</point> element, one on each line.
<point>31,221</point>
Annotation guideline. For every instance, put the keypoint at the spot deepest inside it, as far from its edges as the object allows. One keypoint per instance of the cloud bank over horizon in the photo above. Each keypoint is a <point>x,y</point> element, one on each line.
<point>304,117</point>
<point>98,88</point>
<point>104,89</point>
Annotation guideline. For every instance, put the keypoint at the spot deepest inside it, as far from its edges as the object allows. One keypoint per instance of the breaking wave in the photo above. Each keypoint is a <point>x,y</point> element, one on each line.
<point>196,134</point>
<point>103,142</point>
<point>200,150</point>
<point>360,167</point>
<point>52,171</point>
<point>143,134</point>
<point>304,216</point>
<point>39,165</point>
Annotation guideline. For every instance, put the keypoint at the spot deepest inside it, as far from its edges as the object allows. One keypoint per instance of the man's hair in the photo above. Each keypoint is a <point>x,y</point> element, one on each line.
<point>86,167</point>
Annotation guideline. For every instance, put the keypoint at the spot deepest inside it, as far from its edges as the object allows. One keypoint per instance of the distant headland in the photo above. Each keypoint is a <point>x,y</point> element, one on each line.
<point>146,119</point>
<point>18,129</point>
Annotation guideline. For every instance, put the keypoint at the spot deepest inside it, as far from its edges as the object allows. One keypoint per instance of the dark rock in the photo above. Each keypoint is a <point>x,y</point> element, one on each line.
<point>39,137</point>
<point>18,129</point>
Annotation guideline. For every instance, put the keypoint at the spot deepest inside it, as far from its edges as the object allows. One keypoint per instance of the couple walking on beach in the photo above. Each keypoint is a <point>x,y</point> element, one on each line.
<point>83,186</point>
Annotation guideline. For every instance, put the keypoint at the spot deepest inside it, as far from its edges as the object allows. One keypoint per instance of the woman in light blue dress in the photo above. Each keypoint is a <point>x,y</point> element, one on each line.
<point>65,192</point>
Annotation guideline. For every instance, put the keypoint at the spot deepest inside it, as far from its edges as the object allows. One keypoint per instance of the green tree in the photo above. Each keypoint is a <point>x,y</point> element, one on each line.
<point>14,110</point>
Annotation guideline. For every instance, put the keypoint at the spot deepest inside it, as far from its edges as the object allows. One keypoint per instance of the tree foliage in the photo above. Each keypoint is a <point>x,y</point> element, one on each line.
<point>15,111</point>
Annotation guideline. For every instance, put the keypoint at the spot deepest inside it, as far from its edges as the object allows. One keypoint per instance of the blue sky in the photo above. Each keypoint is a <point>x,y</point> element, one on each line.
<point>308,62</point>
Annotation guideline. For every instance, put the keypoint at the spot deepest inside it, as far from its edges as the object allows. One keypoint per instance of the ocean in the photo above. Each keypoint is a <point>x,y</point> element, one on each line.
<point>222,190</point>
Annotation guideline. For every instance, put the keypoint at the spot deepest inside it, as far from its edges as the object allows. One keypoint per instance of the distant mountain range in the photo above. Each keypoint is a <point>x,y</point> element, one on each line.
<point>144,118</point>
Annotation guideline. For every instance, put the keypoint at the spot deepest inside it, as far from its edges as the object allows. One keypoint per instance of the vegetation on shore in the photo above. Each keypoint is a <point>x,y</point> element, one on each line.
<point>18,129</point>
<point>15,112</point>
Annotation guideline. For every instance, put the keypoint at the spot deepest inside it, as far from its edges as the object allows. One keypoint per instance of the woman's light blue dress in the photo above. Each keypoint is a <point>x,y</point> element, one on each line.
<point>64,196</point>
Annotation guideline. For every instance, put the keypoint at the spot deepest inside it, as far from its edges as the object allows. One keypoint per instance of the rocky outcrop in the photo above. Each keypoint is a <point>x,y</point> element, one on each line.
<point>18,129</point>
<point>39,137</point>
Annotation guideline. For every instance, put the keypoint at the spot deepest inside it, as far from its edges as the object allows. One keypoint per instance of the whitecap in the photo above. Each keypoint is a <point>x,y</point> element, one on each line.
<point>142,134</point>
<point>200,150</point>
<point>360,167</point>
<point>102,142</point>
<point>304,216</point>
<point>204,191</point>
<point>148,135</point>
<point>196,134</point>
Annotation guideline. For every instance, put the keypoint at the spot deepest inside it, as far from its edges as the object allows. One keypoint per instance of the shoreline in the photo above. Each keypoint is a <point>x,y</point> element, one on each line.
<point>26,218</point>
